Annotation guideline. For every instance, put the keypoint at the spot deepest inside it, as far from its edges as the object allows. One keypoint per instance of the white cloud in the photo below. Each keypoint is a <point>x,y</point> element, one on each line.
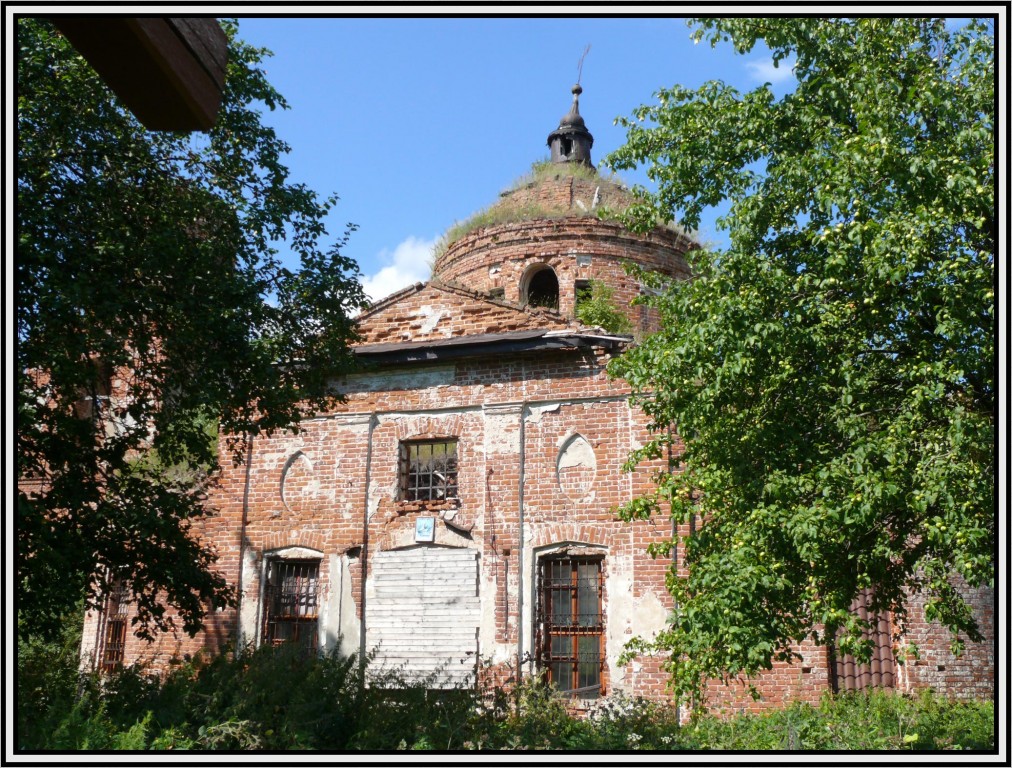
<point>408,264</point>
<point>763,71</point>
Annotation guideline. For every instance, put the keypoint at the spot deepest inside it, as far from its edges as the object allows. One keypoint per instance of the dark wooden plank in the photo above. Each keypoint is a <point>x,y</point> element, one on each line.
<point>207,43</point>
<point>168,72</point>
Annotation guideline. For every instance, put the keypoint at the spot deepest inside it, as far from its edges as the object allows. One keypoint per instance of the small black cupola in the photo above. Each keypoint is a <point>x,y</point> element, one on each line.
<point>571,141</point>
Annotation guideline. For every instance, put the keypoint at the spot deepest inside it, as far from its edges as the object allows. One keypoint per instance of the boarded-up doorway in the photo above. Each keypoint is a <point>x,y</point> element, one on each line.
<point>423,613</point>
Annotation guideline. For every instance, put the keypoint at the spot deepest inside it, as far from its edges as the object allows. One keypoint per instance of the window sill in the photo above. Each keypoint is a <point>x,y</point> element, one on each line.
<point>426,505</point>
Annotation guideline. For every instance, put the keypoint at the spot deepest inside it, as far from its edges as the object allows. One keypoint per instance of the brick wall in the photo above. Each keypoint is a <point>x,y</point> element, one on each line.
<point>309,490</point>
<point>928,660</point>
<point>541,439</point>
<point>576,248</point>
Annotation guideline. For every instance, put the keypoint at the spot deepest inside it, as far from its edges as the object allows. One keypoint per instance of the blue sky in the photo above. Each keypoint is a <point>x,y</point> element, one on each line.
<point>419,122</point>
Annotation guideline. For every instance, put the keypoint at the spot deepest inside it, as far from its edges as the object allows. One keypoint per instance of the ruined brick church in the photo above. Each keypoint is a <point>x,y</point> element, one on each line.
<point>456,512</point>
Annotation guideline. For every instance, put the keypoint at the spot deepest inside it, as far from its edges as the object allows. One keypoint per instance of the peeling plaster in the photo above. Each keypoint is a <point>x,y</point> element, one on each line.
<point>433,316</point>
<point>502,435</point>
<point>651,614</point>
<point>384,382</point>
<point>577,452</point>
<point>341,625</point>
<point>620,612</point>
<point>296,461</point>
<point>378,492</point>
<point>537,411</point>
<point>576,468</point>
<point>250,581</point>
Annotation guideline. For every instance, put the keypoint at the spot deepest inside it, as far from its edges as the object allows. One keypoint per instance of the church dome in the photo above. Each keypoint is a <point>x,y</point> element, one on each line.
<point>554,232</point>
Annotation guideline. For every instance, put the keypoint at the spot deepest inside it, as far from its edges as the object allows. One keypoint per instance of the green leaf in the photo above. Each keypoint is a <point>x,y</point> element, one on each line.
<point>831,372</point>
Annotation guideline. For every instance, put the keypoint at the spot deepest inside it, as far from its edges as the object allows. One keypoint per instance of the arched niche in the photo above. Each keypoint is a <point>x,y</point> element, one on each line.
<point>299,484</point>
<point>576,468</point>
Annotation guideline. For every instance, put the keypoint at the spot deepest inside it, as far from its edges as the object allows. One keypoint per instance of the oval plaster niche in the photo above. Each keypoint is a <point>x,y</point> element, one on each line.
<point>299,484</point>
<point>576,467</point>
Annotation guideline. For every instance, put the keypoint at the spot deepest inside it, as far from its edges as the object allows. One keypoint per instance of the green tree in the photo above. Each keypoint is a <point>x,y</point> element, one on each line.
<point>154,257</point>
<point>831,372</point>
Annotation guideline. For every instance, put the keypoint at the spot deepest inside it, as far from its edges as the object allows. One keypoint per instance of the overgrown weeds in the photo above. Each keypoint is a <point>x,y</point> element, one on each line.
<point>278,699</point>
<point>504,211</point>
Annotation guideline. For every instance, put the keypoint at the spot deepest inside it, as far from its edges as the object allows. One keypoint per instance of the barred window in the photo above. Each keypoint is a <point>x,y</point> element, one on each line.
<point>113,647</point>
<point>428,470</point>
<point>571,624</point>
<point>291,602</point>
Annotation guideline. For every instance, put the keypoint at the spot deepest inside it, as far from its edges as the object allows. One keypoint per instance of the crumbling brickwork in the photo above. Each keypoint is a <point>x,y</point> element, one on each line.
<point>535,434</point>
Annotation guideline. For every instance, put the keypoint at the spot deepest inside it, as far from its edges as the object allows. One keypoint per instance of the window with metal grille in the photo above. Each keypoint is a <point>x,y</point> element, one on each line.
<point>848,674</point>
<point>114,634</point>
<point>571,624</point>
<point>291,602</point>
<point>428,470</point>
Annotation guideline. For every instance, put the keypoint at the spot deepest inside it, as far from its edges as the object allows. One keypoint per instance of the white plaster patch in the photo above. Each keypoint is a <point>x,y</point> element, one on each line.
<point>620,612</point>
<point>341,624</point>
<point>432,317</point>
<point>375,493</point>
<point>576,467</point>
<point>537,411</point>
<point>651,614</point>
<point>249,579</point>
<point>501,436</point>
<point>384,382</point>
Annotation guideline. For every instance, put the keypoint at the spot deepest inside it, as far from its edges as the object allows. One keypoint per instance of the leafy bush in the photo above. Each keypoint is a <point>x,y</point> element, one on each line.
<point>595,306</point>
<point>278,699</point>
<point>50,689</point>
<point>874,720</point>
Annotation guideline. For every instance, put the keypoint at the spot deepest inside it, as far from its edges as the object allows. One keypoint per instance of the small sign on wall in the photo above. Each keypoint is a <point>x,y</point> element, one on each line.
<point>425,529</point>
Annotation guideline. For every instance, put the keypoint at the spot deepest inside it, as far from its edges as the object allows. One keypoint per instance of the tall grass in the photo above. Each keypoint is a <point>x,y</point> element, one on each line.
<point>277,699</point>
<point>501,213</point>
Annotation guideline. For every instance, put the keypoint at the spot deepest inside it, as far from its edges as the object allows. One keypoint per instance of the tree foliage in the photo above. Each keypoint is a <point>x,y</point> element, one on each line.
<point>596,307</point>
<point>831,372</point>
<point>151,260</point>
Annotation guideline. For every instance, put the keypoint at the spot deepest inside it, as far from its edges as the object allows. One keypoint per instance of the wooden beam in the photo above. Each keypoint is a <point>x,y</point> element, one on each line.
<point>170,72</point>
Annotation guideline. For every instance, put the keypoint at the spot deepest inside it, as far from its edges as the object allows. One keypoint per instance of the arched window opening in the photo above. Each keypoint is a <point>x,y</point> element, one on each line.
<point>543,289</point>
<point>291,602</point>
<point>570,623</point>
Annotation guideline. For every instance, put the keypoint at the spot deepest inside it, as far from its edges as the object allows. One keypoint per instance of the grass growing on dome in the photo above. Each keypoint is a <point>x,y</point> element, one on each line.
<point>502,211</point>
<point>546,169</point>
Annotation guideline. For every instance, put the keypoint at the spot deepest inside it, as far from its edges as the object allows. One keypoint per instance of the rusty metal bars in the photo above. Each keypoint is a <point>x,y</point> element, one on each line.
<point>113,649</point>
<point>428,470</point>
<point>291,603</point>
<point>571,624</point>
